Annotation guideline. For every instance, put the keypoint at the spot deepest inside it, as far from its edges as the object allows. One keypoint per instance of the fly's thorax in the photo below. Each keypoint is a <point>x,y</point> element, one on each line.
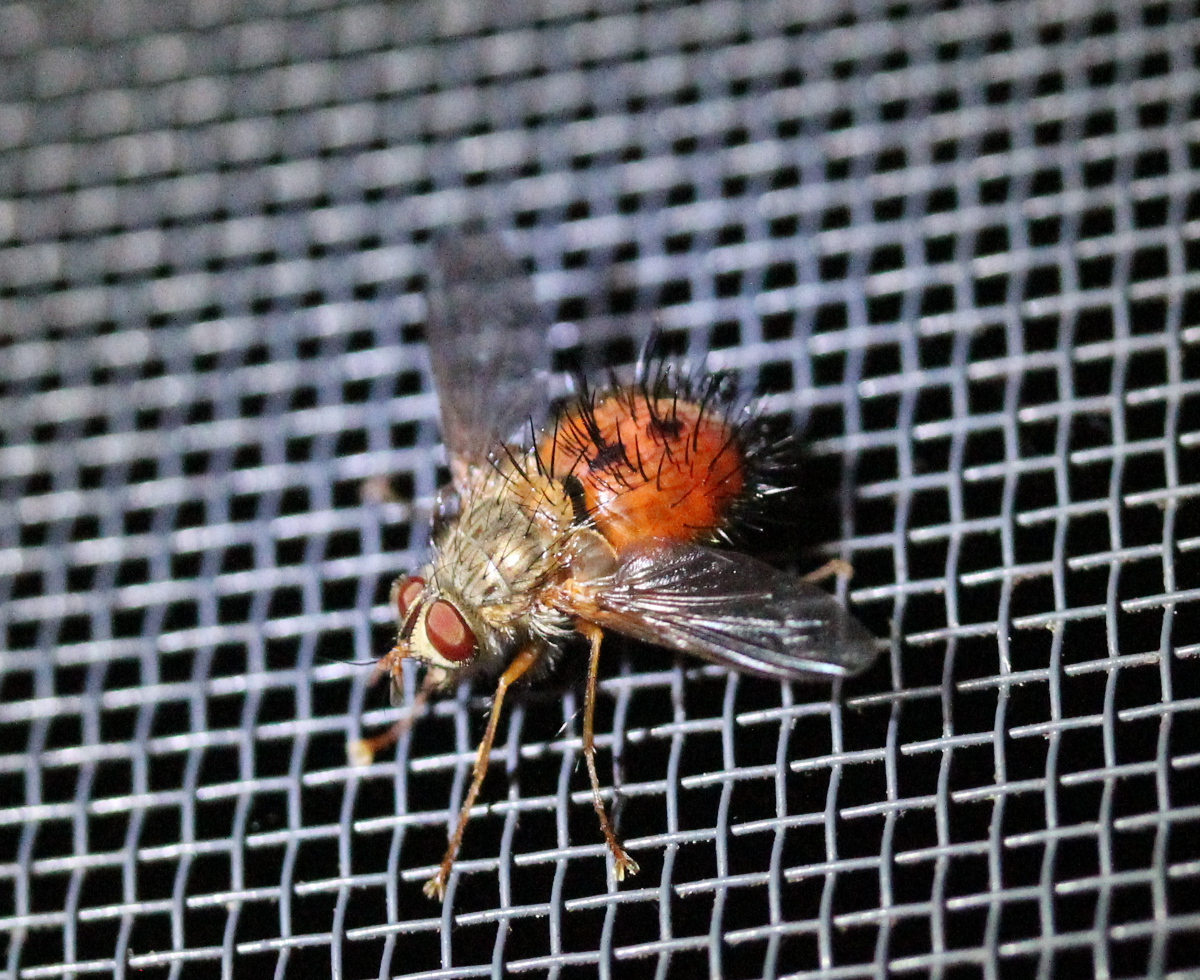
<point>494,554</point>
<point>493,564</point>
<point>520,477</point>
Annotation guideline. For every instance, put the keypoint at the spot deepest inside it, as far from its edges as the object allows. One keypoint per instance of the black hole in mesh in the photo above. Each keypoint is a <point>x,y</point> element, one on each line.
<point>888,209</point>
<point>138,521</point>
<point>194,464</point>
<point>251,406</point>
<point>1148,317</point>
<point>186,566</point>
<point>675,292</point>
<point>997,141</point>
<point>838,217</point>
<point>132,572</point>
<point>1042,281</point>
<point>727,334</point>
<point>299,450</point>
<point>81,579</point>
<point>1101,123</point>
<point>233,609</point>
<point>939,249</point>
<point>937,300</point>
<point>247,457</point>
<point>25,585</point>
<point>143,470</point>
<point>1044,232</point>
<point>833,267</point>
<point>1102,75</point>
<point>1149,263</point>
<point>778,326</point>
<point>994,191</point>
<point>884,309</point>
<point>1096,273</point>
<point>39,483</point>
<point>779,275</point>
<point>785,227</point>
<point>180,616</point>
<point>238,558</point>
<point>338,594</point>
<point>1153,163</point>
<point>946,100</point>
<point>1098,173</point>
<point>285,602</point>
<point>1152,213</point>
<point>90,478</point>
<point>943,199</point>
<point>1097,223</point>
<point>290,551</point>
<point>727,284</point>
<point>1155,115</point>
<point>775,378</point>
<point>829,369</point>
<point>887,258</point>
<point>842,69</point>
<point>352,441</point>
<point>343,544</point>
<point>75,629</point>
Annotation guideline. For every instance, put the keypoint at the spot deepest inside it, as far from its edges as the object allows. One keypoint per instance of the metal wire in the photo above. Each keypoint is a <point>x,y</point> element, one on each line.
<point>956,242</point>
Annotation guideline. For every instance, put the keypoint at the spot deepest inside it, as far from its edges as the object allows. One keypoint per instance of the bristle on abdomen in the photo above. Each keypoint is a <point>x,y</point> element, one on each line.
<point>652,465</point>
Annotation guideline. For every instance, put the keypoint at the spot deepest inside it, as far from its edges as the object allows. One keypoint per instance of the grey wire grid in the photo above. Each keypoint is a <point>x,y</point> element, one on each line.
<point>957,242</point>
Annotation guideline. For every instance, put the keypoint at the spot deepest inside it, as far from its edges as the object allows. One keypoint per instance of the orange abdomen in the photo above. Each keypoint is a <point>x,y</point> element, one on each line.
<point>648,467</point>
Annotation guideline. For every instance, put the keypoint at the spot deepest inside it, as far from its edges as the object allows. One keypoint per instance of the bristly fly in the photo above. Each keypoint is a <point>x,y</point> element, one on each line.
<point>606,521</point>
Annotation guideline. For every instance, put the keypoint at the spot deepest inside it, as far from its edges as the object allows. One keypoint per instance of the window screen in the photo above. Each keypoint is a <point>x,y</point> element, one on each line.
<point>956,244</point>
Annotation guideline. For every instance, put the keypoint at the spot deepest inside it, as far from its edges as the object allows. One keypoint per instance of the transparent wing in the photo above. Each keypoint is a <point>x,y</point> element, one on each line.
<point>487,344</point>
<point>728,608</point>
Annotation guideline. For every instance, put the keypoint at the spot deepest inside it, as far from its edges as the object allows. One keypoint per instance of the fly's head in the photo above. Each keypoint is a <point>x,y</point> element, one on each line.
<point>435,629</point>
<point>479,598</point>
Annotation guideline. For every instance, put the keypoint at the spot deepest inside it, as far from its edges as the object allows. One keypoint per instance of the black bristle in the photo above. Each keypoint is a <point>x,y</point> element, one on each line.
<point>579,444</point>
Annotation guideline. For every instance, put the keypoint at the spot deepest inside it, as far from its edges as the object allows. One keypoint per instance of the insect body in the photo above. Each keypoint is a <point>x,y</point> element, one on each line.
<point>605,522</point>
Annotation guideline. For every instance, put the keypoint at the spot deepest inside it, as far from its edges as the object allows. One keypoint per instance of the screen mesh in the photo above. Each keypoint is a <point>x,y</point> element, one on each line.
<point>957,243</point>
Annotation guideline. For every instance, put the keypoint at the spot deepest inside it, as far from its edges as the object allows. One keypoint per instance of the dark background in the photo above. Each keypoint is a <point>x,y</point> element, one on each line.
<point>956,243</point>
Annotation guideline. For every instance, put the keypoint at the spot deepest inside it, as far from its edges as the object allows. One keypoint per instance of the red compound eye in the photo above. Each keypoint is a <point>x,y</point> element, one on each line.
<point>449,632</point>
<point>406,592</point>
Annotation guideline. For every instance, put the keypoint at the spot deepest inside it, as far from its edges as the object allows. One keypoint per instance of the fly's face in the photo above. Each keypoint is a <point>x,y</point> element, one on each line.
<point>433,629</point>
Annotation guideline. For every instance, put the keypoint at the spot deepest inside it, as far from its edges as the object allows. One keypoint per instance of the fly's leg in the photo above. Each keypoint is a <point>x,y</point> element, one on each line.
<point>623,864</point>
<point>362,751</point>
<point>435,887</point>
<point>835,568</point>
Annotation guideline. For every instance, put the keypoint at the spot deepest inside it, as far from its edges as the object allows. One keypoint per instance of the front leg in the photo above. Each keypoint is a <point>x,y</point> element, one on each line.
<point>435,887</point>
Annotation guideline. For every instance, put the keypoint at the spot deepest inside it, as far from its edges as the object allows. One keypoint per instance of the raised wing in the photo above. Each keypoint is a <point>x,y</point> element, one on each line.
<point>728,608</point>
<point>487,345</point>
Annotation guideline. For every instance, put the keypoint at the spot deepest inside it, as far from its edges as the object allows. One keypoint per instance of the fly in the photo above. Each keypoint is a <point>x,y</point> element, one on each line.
<point>606,522</point>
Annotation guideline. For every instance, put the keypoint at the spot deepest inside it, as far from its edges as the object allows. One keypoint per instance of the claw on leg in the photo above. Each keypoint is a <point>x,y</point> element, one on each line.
<point>435,887</point>
<point>624,865</point>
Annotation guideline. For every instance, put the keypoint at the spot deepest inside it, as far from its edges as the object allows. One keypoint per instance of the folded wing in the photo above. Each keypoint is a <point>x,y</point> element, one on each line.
<point>487,345</point>
<point>729,608</point>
